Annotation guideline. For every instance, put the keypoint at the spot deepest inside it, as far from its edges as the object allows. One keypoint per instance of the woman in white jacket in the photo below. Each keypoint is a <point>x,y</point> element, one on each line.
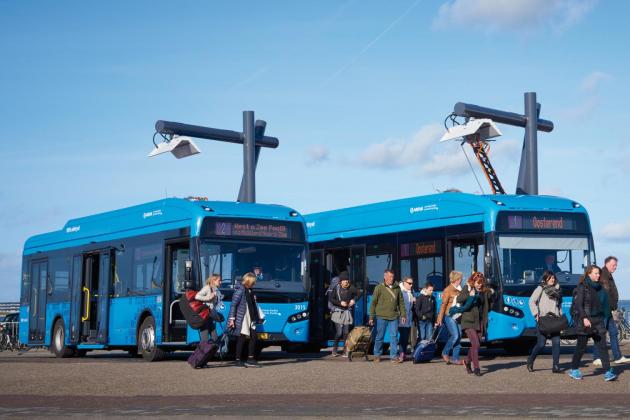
<point>546,299</point>
<point>406,287</point>
<point>211,296</point>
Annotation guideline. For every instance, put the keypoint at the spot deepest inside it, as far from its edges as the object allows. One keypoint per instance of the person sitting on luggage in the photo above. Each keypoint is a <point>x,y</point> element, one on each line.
<point>342,298</point>
<point>243,318</point>
<point>425,312</point>
<point>212,297</point>
<point>404,327</point>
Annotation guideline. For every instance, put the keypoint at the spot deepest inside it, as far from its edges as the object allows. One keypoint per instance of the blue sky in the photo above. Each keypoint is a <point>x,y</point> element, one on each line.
<point>356,91</point>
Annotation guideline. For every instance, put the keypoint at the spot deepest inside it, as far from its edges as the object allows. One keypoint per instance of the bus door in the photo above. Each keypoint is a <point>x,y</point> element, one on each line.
<point>359,280</point>
<point>177,253</point>
<point>466,254</point>
<point>37,310</point>
<point>318,309</point>
<point>336,260</point>
<point>76,293</point>
<point>96,289</point>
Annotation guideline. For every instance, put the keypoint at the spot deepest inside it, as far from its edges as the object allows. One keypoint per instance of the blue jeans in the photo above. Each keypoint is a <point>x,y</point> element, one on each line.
<point>425,330</point>
<point>540,345</point>
<point>454,338</point>
<point>381,326</point>
<point>614,343</point>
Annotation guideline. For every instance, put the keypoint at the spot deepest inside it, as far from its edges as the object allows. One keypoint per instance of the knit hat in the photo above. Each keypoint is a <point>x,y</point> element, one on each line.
<point>344,276</point>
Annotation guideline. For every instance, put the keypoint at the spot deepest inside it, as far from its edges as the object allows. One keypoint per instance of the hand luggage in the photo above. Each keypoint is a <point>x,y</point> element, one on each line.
<point>358,341</point>
<point>202,354</point>
<point>425,349</point>
<point>196,313</point>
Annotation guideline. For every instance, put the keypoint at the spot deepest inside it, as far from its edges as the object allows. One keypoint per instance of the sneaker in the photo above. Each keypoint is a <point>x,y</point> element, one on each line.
<point>597,362</point>
<point>239,364</point>
<point>610,376</point>
<point>575,374</point>
<point>622,359</point>
<point>252,364</point>
<point>396,360</point>
<point>345,354</point>
<point>335,354</point>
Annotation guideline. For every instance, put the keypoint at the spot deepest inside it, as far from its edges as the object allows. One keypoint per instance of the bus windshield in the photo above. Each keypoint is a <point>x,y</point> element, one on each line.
<point>524,258</point>
<point>278,267</point>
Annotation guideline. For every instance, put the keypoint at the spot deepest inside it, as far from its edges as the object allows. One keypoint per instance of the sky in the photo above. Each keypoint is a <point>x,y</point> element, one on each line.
<point>356,91</point>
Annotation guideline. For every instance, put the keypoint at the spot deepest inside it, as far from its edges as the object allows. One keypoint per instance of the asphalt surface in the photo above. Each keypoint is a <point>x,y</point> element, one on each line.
<point>104,384</point>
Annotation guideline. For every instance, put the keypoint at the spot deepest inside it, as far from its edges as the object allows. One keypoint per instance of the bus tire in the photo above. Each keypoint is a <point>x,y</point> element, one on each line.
<point>58,341</point>
<point>146,341</point>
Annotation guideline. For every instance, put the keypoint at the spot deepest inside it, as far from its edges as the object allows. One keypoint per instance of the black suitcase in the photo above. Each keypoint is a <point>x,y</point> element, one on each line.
<point>202,354</point>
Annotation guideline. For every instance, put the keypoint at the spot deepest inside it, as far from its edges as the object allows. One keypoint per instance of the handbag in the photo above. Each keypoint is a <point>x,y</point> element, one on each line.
<point>552,324</point>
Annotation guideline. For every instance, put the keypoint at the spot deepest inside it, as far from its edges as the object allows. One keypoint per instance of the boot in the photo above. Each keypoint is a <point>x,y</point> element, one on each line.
<point>477,372</point>
<point>530,364</point>
<point>556,369</point>
<point>467,365</point>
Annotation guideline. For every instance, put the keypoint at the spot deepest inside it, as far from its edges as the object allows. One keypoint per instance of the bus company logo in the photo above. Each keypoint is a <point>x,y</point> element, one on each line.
<point>151,214</point>
<point>310,225</point>
<point>430,207</point>
<point>72,229</point>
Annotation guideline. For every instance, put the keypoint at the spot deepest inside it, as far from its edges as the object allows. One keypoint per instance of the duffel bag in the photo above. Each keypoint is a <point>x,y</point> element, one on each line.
<point>552,324</point>
<point>196,313</point>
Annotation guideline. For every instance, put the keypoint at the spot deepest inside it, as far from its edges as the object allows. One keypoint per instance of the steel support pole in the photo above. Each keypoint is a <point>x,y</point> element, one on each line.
<point>259,129</point>
<point>531,144</point>
<point>249,157</point>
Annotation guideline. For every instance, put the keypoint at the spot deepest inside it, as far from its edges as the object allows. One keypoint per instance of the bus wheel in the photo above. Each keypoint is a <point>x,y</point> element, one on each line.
<point>58,342</point>
<point>146,341</point>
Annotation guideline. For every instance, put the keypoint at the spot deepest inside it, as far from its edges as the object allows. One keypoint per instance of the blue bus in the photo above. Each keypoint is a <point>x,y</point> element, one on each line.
<point>511,238</point>
<point>113,280</point>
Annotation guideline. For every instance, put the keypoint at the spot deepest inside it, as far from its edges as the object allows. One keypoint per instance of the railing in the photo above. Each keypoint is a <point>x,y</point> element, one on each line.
<point>10,336</point>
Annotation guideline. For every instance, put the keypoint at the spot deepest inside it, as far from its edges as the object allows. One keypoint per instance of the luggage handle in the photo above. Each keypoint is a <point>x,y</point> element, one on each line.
<point>436,334</point>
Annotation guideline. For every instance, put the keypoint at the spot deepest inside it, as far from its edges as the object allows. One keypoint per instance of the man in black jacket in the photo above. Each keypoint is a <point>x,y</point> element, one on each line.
<point>425,312</point>
<point>607,280</point>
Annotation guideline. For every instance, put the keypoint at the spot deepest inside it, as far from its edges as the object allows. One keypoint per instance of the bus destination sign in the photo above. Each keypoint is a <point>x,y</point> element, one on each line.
<point>540,222</point>
<point>420,248</point>
<point>252,230</point>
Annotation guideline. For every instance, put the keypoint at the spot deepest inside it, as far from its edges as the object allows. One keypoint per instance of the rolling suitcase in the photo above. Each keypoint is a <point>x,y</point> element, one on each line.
<point>358,341</point>
<point>202,354</point>
<point>425,349</point>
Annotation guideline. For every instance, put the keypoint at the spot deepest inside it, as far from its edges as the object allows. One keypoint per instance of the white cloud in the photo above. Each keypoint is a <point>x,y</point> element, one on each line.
<point>512,15</point>
<point>317,154</point>
<point>617,232</point>
<point>591,82</point>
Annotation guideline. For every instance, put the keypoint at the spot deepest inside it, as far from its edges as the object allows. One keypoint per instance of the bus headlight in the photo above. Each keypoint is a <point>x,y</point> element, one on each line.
<point>301,316</point>
<point>512,311</point>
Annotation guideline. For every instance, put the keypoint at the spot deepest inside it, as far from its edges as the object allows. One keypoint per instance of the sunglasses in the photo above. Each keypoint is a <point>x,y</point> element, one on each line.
<point>409,282</point>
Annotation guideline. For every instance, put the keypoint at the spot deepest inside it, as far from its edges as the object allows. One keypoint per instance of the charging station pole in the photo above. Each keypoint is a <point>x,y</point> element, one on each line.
<point>528,170</point>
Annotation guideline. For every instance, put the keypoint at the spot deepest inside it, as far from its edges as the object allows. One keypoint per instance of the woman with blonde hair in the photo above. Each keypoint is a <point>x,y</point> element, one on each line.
<point>212,297</point>
<point>243,318</point>
<point>449,299</point>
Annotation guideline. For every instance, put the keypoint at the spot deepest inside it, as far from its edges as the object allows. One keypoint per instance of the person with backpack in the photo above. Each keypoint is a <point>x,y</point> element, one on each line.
<point>475,304</point>
<point>449,300</point>
<point>212,297</point>
<point>425,312</point>
<point>546,299</point>
<point>608,282</point>
<point>342,299</point>
<point>404,328</point>
<point>244,316</point>
<point>388,306</point>
<point>590,311</point>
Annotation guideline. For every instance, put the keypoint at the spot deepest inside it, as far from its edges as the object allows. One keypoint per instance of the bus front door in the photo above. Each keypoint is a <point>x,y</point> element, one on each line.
<point>359,280</point>
<point>318,308</point>
<point>37,310</point>
<point>96,288</point>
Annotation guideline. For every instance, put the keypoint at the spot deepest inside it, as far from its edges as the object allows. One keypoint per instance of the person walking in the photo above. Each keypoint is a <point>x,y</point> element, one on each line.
<point>212,297</point>
<point>449,300</point>
<point>425,312</point>
<point>387,308</point>
<point>475,301</point>
<point>404,328</point>
<point>591,309</point>
<point>342,299</point>
<point>243,318</point>
<point>608,282</point>
<point>546,299</point>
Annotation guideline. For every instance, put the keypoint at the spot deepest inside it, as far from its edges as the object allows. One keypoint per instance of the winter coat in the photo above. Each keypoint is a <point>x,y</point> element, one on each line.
<point>387,304</point>
<point>608,282</point>
<point>425,307</point>
<point>449,295</point>
<point>239,308</point>
<point>475,310</point>
<point>345,295</point>
<point>541,304</point>
<point>409,299</point>
<point>586,304</point>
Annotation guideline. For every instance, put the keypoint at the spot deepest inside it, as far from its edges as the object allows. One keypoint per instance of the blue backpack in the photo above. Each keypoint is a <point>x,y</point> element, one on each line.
<point>333,284</point>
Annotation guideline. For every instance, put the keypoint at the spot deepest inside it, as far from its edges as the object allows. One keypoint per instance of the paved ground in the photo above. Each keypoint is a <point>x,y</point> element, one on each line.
<point>313,385</point>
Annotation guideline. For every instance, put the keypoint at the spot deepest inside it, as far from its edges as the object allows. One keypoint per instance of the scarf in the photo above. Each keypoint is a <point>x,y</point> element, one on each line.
<point>552,292</point>
<point>602,295</point>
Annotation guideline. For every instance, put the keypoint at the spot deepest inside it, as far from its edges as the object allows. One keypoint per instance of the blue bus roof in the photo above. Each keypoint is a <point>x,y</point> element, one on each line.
<point>425,212</point>
<point>156,216</point>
